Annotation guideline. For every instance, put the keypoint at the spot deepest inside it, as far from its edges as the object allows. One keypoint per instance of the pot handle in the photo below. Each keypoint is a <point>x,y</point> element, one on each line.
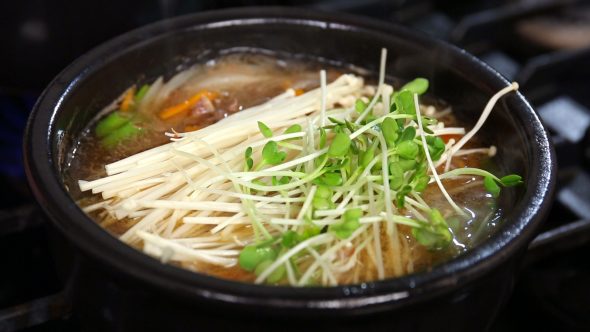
<point>563,238</point>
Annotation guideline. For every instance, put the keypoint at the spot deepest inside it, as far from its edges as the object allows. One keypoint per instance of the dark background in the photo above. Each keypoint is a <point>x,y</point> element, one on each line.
<point>39,38</point>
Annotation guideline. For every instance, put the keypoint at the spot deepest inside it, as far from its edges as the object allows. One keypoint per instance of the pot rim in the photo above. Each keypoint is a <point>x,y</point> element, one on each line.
<point>47,187</point>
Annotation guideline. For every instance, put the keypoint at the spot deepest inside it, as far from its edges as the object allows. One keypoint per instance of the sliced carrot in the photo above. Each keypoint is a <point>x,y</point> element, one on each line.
<point>128,99</point>
<point>171,111</point>
<point>299,92</point>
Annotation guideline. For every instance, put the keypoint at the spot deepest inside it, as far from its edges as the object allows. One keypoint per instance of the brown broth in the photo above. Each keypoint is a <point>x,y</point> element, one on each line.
<point>254,80</point>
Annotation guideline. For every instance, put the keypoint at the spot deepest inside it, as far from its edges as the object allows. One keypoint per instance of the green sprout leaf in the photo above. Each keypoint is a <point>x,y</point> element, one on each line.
<point>511,180</point>
<point>422,168</point>
<point>284,180</point>
<point>320,203</point>
<point>390,129</point>
<point>310,231</point>
<point>404,101</point>
<point>366,156</point>
<point>352,214</point>
<point>266,132</point>
<point>418,85</point>
<point>322,200</point>
<point>434,235</point>
<point>491,186</point>
<point>335,121</point>
<point>349,222</point>
<point>436,147</point>
<point>400,197</point>
<point>428,130</point>
<point>408,134</point>
<point>323,192</point>
<point>322,138</point>
<point>436,142</point>
<point>277,182</point>
<point>421,182</point>
<point>339,146</point>
<point>290,239</point>
<point>293,129</point>
<point>407,149</point>
<point>360,106</point>
<point>275,276</point>
<point>331,179</point>
<point>428,120</point>
<point>430,238</point>
<point>370,117</point>
<point>396,176</point>
<point>351,126</point>
<point>248,158</point>
<point>354,148</point>
<point>252,255</point>
<point>407,164</point>
<point>271,153</point>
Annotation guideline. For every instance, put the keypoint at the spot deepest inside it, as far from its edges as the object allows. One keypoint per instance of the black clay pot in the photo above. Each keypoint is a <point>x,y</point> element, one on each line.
<point>118,288</point>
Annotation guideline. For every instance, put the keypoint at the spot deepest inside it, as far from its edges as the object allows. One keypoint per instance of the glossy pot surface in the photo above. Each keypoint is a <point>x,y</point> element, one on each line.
<point>121,288</point>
